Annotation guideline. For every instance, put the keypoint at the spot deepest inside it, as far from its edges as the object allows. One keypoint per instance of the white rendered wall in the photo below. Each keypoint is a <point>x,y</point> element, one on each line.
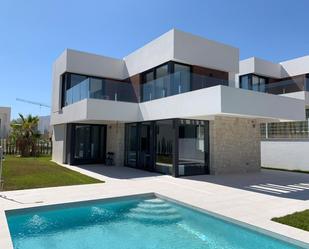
<point>296,66</point>
<point>152,54</point>
<point>59,143</point>
<point>245,103</point>
<point>260,67</point>
<point>196,50</point>
<point>283,69</point>
<point>299,95</point>
<point>200,104</point>
<point>290,155</point>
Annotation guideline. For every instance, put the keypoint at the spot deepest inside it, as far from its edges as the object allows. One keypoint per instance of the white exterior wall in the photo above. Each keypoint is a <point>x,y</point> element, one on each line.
<point>59,143</point>
<point>200,104</point>
<point>260,67</point>
<point>266,68</point>
<point>296,66</point>
<point>183,47</point>
<point>289,155</point>
<point>5,117</point>
<point>196,50</point>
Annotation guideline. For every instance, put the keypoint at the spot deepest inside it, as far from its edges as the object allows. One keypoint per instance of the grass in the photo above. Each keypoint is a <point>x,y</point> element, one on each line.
<point>299,220</point>
<point>39,172</point>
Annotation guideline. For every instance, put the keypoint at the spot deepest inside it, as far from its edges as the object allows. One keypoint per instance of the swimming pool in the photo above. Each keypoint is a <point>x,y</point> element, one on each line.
<point>146,222</point>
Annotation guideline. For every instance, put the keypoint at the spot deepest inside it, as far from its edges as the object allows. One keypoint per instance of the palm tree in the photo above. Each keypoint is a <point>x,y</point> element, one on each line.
<point>25,134</point>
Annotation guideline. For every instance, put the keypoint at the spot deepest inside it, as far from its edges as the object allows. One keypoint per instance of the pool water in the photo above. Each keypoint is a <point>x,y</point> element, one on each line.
<point>135,223</point>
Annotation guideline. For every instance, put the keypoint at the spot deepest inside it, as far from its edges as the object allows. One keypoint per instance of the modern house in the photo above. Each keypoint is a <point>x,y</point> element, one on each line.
<point>173,106</point>
<point>5,119</point>
<point>284,145</point>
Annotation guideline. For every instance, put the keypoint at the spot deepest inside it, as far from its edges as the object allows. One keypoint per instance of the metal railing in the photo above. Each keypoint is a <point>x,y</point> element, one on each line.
<point>285,130</point>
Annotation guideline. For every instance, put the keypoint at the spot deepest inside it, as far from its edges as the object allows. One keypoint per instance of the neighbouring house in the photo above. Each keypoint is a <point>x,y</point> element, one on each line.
<point>44,126</point>
<point>5,119</point>
<point>284,145</point>
<point>172,106</point>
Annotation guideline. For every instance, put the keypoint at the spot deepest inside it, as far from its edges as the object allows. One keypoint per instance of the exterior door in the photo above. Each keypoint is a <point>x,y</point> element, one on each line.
<point>145,146</point>
<point>88,144</point>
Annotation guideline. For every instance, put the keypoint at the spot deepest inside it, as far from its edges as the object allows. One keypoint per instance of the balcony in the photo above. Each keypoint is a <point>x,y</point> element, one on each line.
<point>296,84</point>
<point>97,88</point>
<point>177,83</point>
<point>115,90</point>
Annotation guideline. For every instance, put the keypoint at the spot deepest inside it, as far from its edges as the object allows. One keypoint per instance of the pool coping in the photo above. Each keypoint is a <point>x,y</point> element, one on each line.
<point>254,228</point>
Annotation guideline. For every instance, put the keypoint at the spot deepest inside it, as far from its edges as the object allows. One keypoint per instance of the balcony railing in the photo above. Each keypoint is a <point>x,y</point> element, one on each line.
<point>177,83</point>
<point>172,84</point>
<point>296,84</point>
<point>288,86</point>
<point>285,130</point>
<point>97,88</point>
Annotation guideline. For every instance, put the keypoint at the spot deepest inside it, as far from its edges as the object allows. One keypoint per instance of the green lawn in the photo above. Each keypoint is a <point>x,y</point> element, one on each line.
<point>299,220</point>
<point>40,172</point>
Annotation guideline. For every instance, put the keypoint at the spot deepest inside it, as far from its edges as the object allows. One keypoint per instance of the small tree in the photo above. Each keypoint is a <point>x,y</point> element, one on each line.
<point>25,134</point>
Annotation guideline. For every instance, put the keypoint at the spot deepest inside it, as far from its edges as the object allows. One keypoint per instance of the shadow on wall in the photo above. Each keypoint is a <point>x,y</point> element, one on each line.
<point>271,182</point>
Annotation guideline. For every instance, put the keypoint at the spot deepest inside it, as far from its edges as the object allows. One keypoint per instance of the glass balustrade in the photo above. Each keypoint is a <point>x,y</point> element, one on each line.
<point>177,83</point>
<point>97,88</point>
<point>286,86</point>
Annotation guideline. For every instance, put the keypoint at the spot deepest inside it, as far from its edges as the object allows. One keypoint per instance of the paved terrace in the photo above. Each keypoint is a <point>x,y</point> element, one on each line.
<point>251,198</point>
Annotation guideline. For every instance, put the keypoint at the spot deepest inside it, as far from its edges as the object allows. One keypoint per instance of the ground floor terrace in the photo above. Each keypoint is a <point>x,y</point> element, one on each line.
<point>177,147</point>
<point>248,199</point>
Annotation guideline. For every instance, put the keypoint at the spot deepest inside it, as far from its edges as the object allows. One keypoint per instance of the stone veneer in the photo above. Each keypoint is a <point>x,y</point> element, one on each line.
<point>115,142</point>
<point>234,145</point>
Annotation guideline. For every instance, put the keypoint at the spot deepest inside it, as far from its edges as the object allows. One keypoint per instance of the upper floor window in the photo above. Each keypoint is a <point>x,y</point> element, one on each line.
<point>253,82</point>
<point>307,83</point>
<point>165,80</point>
<point>76,87</point>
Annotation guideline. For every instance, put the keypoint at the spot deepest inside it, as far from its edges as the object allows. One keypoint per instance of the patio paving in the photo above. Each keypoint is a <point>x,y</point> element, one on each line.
<point>250,198</point>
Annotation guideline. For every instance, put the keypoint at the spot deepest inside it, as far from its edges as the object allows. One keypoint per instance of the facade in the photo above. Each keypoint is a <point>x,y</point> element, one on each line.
<point>173,106</point>
<point>5,119</point>
<point>284,145</point>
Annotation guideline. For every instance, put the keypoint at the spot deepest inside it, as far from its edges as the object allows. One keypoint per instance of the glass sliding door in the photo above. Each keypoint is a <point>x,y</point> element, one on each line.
<point>175,146</point>
<point>192,147</point>
<point>145,145</point>
<point>131,145</point>
<point>88,143</point>
<point>164,146</point>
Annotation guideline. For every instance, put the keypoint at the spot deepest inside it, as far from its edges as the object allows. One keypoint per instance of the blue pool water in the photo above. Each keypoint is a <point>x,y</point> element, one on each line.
<point>136,223</point>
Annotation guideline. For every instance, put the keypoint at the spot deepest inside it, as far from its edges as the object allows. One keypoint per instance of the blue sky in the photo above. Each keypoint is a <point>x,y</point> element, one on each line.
<point>34,32</point>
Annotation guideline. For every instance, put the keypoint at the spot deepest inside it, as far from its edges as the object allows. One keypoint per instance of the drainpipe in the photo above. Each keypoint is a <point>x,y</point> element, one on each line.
<point>266,130</point>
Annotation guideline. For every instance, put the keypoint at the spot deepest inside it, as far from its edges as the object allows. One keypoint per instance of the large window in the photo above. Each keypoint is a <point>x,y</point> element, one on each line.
<point>192,147</point>
<point>174,146</point>
<point>164,146</point>
<point>165,80</point>
<point>87,143</point>
<point>253,82</point>
<point>131,144</point>
<point>77,87</point>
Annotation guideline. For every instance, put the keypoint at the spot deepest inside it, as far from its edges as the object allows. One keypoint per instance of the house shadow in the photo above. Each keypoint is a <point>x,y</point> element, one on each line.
<point>278,183</point>
<point>117,172</point>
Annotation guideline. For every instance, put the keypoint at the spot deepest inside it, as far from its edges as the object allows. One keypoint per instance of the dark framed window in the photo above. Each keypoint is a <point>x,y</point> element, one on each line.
<point>76,87</point>
<point>165,80</point>
<point>172,146</point>
<point>307,83</point>
<point>87,143</point>
<point>253,82</point>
